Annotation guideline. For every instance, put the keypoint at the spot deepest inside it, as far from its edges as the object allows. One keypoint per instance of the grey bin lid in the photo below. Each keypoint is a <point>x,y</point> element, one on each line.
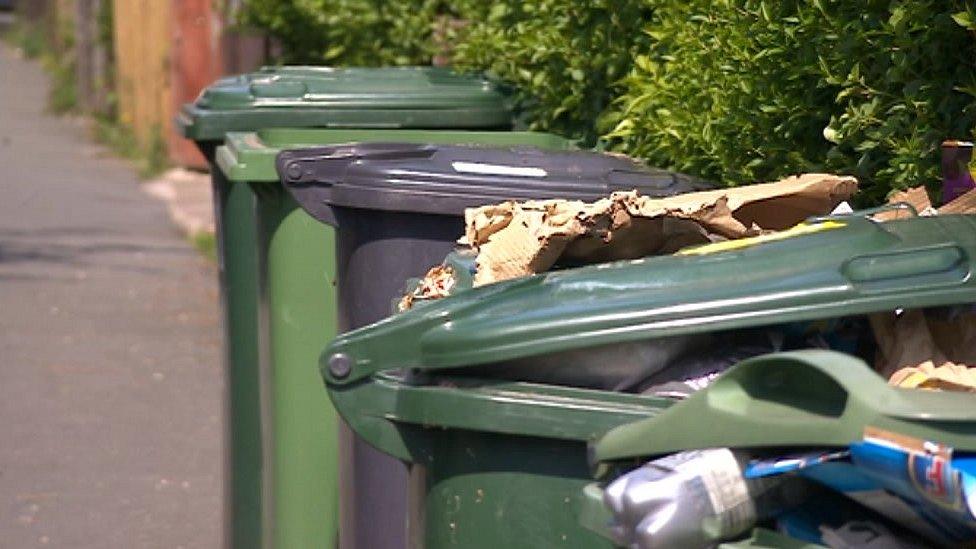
<point>446,179</point>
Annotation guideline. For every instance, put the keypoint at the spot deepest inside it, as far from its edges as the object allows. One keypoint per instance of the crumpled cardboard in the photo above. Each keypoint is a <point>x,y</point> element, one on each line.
<point>918,197</point>
<point>516,239</point>
<point>924,350</point>
<point>437,283</point>
<point>948,377</point>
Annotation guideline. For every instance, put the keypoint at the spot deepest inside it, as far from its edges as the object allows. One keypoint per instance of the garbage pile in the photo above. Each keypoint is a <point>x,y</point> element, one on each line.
<point>514,239</point>
<point>517,239</point>
<point>883,491</point>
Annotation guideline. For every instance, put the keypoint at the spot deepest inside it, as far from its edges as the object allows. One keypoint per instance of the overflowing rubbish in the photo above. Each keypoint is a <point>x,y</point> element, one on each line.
<point>917,493</point>
<point>939,488</point>
<point>903,461</point>
<point>694,370</point>
<point>516,239</point>
<point>917,484</point>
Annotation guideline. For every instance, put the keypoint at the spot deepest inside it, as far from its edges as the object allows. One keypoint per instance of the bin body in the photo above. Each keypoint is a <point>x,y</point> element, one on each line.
<point>278,304</point>
<point>470,490</point>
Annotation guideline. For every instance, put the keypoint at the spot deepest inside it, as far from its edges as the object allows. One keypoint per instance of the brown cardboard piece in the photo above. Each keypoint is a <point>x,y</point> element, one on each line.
<point>965,204</point>
<point>921,350</point>
<point>918,197</point>
<point>948,377</point>
<point>516,239</point>
<point>903,341</point>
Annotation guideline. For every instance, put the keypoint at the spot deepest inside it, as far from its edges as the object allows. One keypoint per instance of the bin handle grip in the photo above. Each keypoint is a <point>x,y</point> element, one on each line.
<point>796,398</point>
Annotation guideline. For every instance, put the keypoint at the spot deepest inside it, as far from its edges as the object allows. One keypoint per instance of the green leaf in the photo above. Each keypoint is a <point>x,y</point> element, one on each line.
<point>964,19</point>
<point>334,52</point>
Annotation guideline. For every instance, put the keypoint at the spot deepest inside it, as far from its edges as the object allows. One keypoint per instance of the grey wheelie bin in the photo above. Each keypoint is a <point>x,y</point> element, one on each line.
<point>397,209</point>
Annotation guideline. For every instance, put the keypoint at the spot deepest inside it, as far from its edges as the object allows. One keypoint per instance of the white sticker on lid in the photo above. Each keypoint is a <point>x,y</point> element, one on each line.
<point>497,169</point>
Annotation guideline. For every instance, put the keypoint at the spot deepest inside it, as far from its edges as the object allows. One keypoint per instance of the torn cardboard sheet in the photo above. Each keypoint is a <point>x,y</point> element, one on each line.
<point>965,204</point>
<point>518,239</point>
<point>926,350</point>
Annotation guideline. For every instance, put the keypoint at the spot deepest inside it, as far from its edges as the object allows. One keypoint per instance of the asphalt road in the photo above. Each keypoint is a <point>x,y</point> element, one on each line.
<point>110,383</point>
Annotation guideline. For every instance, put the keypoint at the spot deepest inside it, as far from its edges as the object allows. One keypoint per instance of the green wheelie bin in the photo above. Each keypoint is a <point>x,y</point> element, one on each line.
<point>277,266</point>
<point>515,403</point>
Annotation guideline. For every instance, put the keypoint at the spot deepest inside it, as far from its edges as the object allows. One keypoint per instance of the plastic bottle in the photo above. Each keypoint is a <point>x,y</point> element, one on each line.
<point>690,499</point>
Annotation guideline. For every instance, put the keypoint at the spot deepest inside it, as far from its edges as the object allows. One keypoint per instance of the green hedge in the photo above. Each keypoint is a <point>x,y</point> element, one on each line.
<point>750,90</point>
<point>348,32</point>
<point>732,90</point>
<point>567,57</point>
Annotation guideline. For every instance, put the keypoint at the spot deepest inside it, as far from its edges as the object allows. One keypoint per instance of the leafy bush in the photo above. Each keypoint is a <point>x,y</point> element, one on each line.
<point>365,33</point>
<point>746,90</point>
<point>563,57</point>
<point>566,57</point>
<point>732,90</point>
<point>49,37</point>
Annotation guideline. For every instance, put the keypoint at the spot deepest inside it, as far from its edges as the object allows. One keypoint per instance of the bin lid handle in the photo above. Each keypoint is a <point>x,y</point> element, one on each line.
<point>801,398</point>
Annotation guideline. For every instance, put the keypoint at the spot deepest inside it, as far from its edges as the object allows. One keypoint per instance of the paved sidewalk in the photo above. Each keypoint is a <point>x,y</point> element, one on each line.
<point>110,383</point>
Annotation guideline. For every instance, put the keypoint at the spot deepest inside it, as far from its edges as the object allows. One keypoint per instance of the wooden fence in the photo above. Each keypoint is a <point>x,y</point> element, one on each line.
<point>150,56</point>
<point>142,31</point>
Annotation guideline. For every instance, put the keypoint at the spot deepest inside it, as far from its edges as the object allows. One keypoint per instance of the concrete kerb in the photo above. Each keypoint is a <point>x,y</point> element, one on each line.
<point>188,199</point>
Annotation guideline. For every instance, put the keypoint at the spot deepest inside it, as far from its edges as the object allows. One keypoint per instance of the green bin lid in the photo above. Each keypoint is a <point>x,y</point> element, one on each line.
<point>856,267</point>
<point>393,97</point>
<point>811,398</point>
